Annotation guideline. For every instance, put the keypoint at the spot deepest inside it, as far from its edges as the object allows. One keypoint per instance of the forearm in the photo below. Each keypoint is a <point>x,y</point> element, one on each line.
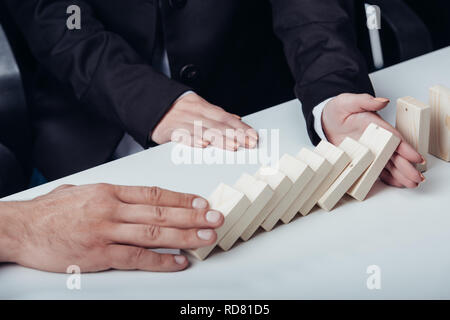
<point>11,230</point>
<point>103,70</point>
<point>320,46</point>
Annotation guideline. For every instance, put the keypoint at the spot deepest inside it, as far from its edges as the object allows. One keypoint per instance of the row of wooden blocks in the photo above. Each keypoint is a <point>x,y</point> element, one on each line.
<point>296,184</point>
<point>324,175</point>
<point>426,127</point>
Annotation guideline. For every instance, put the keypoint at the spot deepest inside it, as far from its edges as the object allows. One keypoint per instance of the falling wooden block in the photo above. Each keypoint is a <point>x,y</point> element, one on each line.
<point>361,158</point>
<point>259,193</point>
<point>321,168</point>
<point>382,143</point>
<point>280,184</point>
<point>339,160</point>
<point>440,122</point>
<point>300,175</point>
<point>232,204</point>
<point>413,122</point>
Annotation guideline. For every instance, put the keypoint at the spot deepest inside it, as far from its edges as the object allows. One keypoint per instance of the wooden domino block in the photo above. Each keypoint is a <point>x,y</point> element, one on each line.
<point>280,184</point>
<point>440,122</point>
<point>339,160</point>
<point>383,144</point>
<point>321,168</point>
<point>259,193</point>
<point>361,158</point>
<point>232,204</point>
<point>413,122</point>
<point>300,175</point>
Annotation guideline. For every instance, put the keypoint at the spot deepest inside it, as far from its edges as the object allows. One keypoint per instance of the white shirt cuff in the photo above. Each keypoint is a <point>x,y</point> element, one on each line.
<point>317,113</point>
<point>185,94</point>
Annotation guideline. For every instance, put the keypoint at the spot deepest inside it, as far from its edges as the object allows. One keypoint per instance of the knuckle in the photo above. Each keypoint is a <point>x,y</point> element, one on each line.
<point>160,214</point>
<point>135,256</point>
<point>153,193</point>
<point>102,188</point>
<point>152,232</point>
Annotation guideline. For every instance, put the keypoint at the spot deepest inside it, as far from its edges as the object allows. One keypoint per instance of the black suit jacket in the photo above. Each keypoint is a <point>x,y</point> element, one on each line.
<point>12,174</point>
<point>94,84</point>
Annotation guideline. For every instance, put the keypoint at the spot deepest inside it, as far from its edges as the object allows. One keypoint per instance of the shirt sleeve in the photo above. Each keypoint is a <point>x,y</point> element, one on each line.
<point>317,113</point>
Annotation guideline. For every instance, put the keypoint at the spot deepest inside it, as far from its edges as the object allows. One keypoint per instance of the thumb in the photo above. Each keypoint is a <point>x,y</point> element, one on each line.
<point>355,103</point>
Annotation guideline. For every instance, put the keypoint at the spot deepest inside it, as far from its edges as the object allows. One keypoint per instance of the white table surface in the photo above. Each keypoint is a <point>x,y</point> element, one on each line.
<point>324,255</point>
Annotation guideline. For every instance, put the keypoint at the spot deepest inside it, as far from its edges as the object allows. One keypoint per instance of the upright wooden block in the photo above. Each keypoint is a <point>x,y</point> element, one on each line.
<point>300,175</point>
<point>280,184</point>
<point>339,160</point>
<point>440,122</point>
<point>361,158</point>
<point>321,168</point>
<point>413,122</point>
<point>383,144</point>
<point>232,204</point>
<point>259,193</point>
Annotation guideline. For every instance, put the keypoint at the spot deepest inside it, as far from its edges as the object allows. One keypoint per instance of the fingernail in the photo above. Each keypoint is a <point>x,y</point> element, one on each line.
<point>180,259</point>
<point>232,146</point>
<point>423,161</point>
<point>382,100</point>
<point>199,203</point>
<point>423,177</point>
<point>253,134</point>
<point>205,234</point>
<point>252,142</point>
<point>213,216</point>
<point>237,117</point>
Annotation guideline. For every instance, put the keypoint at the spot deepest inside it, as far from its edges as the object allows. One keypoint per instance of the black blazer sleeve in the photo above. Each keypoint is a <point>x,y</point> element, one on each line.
<point>320,44</point>
<point>12,176</point>
<point>105,73</point>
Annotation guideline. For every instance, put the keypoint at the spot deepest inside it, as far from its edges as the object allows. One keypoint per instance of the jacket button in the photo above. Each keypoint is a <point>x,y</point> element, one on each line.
<point>189,73</point>
<point>177,4</point>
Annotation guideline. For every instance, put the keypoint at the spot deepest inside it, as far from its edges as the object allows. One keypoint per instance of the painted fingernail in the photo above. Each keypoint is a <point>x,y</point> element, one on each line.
<point>252,142</point>
<point>213,216</point>
<point>180,260</point>
<point>199,203</point>
<point>382,100</point>
<point>205,234</point>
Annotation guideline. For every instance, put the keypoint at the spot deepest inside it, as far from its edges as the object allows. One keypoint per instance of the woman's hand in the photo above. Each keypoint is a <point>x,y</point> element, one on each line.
<point>348,115</point>
<point>195,122</point>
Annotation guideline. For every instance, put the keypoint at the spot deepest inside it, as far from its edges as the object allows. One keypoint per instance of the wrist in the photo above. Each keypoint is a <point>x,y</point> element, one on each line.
<point>12,231</point>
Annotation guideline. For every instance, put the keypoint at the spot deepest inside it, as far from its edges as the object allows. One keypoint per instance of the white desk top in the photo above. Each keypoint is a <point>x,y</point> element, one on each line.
<point>324,255</point>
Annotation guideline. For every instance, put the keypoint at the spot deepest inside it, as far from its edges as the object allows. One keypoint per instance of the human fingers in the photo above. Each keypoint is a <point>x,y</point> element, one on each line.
<point>169,217</point>
<point>387,178</point>
<point>159,197</point>
<point>399,177</point>
<point>154,236</point>
<point>124,257</point>
<point>407,169</point>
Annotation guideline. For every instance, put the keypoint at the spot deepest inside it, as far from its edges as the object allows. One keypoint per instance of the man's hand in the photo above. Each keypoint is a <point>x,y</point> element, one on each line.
<point>348,115</point>
<point>218,127</point>
<point>99,227</point>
